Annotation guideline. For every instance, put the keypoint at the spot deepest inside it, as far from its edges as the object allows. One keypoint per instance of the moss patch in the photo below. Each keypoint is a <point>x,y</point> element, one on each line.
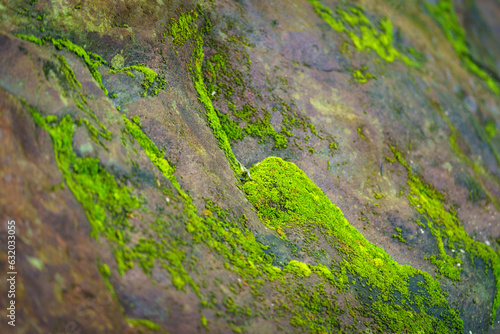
<point>285,198</point>
<point>445,226</point>
<point>444,13</point>
<point>363,34</point>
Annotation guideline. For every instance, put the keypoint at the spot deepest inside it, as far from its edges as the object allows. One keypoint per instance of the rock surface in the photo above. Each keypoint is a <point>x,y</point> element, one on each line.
<point>251,166</point>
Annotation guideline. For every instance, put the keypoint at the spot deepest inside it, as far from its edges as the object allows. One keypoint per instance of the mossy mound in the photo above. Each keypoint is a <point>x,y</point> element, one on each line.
<point>290,203</point>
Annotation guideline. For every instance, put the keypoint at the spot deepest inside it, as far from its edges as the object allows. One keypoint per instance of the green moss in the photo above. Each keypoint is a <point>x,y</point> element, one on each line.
<point>204,322</point>
<point>445,224</point>
<point>154,154</point>
<point>298,268</point>
<point>491,130</point>
<point>92,60</point>
<point>181,30</point>
<point>184,28</point>
<point>149,76</point>
<point>285,198</point>
<point>319,310</point>
<point>144,323</point>
<point>106,273</point>
<point>362,75</point>
<point>104,269</point>
<point>444,13</point>
<point>363,34</point>
<point>231,128</point>
<point>31,38</point>
<point>399,236</point>
<point>107,204</point>
<point>69,73</point>
<point>243,254</point>
<point>217,76</point>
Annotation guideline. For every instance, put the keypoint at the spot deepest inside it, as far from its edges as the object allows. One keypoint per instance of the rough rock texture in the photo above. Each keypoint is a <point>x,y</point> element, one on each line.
<point>135,145</point>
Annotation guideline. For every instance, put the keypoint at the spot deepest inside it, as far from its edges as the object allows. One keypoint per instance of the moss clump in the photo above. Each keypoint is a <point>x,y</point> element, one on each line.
<point>184,28</point>
<point>149,77</point>
<point>31,38</point>
<point>444,13</point>
<point>154,154</point>
<point>144,323</point>
<point>362,75</point>
<point>367,37</point>
<point>285,198</point>
<point>107,204</point>
<point>299,268</point>
<point>92,60</point>
<point>399,236</point>
<point>181,30</point>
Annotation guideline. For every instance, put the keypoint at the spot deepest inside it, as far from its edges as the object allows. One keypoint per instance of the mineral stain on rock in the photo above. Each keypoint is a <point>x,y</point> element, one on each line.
<point>290,166</point>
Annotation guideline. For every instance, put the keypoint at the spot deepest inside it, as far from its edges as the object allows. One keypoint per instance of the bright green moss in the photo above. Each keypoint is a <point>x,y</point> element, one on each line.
<point>69,73</point>
<point>217,76</point>
<point>104,269</point>
<point>92,60</point>
<point>106,273</point>
<point>81,103</point>
<point>362,75</point>
<point>491,130</point>
<point>204,322</point>
<point>31,38</point>
<point>444,13</point>
<point>184,28</point>
<point>149,75</point>
<point>244,255</point>
<point>144,323</point>
<point>181,30</point>
<point>231,128</point>
<point>285,198</point>
<point>153,153</point>
<point>363,34</point>
<point>107,204</point>
<point>445,224</point>
<point>399,236</point>
<point>262,128</point>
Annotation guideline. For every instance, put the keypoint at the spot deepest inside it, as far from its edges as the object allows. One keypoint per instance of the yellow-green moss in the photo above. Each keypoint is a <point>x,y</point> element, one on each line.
<point>106,203</point>
<point>285,198</point>
<point>149,77</point>
<point>445,225</point>
<point>92,60</point>
<point>181,30</point>
<point>444,13</point>
<point>362,75</point>
<point>363,34</point>
<point>148,324</point>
